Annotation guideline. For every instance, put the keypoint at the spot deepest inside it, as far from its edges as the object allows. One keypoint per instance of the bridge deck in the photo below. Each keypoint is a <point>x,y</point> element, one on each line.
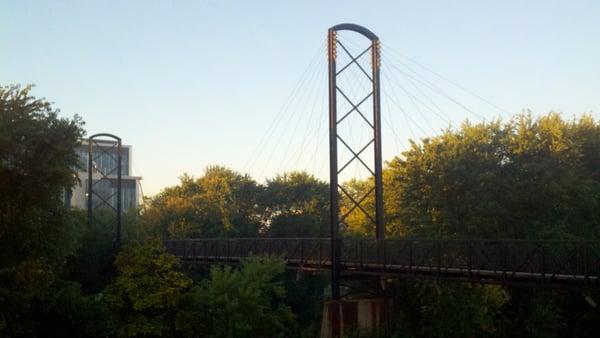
<point>490,261</point>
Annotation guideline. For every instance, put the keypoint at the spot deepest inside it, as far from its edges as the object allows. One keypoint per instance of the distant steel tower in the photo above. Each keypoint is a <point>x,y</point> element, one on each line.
<point>375,124</point>
<point>104,189</point>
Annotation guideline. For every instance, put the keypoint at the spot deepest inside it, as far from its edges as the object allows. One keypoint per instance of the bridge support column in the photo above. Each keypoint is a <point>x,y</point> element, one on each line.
<point>341,317</point>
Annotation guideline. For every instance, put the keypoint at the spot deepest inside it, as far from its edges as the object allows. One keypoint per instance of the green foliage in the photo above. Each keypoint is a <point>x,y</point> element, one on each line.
<point>544,312</point>
<point>135,231</point>
<point>223,203</point>
<point>296,205</point>
<point>37,157</point>
<point>238,303</point>
<point>544,320</point>
<point>145,293</point>
<point>357,223</point>
<point>460,310</point>
<point>220,203</point>
<point>527,178</point>
<point>92,263</point>
<point>305,296</point>
<point>432,309</point>
<point>65,312</point>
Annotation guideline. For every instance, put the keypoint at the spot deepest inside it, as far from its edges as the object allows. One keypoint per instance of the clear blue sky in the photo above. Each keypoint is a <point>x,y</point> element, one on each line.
<point>193,83</point>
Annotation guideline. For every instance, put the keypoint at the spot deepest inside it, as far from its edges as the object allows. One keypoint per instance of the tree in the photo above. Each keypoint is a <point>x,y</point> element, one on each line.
<point>359,221</point>
<point>238,303</point>
<point>222,202</point>
<point>65,312</point>
<point>295,204</point>
<point>92,263</point>
<point>527,178</point>
<point>37,161</point>
<point>434,309</point>
<point>145,294</point>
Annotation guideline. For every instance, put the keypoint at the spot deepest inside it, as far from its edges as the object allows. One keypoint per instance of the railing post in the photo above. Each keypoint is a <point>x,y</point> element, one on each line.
<point>384,255</point>
<point>227,250</point>
<point>506,244</point>
<point>543,252</point>
<point>410,255</point>
<point>320,257</point>
<point>585,264</point>
<point>338,253</point>
<point>439,256</point>
<point>301,250</point>
<point>470,260</point>
<point>380,256</point>
<point>361,253</point>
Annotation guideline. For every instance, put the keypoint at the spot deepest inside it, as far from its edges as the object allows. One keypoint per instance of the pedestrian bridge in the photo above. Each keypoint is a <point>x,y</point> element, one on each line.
<point>569,263</point>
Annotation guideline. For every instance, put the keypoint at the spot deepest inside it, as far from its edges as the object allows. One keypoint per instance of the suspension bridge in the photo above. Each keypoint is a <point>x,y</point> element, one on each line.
<point>506,262</point>
<point>354,94</point>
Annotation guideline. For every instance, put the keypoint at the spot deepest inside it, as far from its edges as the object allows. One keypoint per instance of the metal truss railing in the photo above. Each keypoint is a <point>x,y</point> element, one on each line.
<point>478,260</point>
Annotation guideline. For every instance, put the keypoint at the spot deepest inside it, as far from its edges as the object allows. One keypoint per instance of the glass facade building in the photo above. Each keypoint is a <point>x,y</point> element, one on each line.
<point>107,190</point>
<point>105,161</point>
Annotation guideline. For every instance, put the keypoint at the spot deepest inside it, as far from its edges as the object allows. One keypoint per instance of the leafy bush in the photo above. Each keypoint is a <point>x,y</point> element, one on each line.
<point>144,295</point>
<point>238,302</point>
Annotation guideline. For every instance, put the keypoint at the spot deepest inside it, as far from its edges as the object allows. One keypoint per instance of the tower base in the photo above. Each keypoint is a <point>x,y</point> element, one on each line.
<point>363,315</point>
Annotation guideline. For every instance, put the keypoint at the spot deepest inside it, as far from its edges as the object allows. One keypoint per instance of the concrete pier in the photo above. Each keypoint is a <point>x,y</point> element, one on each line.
<point>351,315</point>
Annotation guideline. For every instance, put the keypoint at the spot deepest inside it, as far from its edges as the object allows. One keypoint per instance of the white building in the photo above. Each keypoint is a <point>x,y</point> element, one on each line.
<point>105,161</point>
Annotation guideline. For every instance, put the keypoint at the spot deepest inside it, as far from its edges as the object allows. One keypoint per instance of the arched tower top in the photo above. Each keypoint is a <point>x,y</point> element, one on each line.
<point>355,28</point>
<point>105,135</point>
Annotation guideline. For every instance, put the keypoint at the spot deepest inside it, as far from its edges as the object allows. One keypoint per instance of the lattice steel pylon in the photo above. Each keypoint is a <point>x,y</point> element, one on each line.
<point>102,179</point>
<point>374,95</point>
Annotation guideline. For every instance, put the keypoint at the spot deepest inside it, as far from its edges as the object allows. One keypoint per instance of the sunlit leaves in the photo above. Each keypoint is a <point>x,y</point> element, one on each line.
<point>146,291</point>
<point>525,178</point>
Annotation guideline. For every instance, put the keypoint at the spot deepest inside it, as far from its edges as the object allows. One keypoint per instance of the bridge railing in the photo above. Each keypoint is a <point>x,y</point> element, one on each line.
<point>471,259</point>
<point>477,259</point>
<point>300,251</point>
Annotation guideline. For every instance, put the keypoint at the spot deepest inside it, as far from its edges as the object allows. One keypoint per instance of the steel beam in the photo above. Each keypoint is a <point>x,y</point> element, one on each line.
<point>333,167</point>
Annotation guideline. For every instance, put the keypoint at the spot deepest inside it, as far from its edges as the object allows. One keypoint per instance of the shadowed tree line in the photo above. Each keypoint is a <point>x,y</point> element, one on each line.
<point>523,178</point>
